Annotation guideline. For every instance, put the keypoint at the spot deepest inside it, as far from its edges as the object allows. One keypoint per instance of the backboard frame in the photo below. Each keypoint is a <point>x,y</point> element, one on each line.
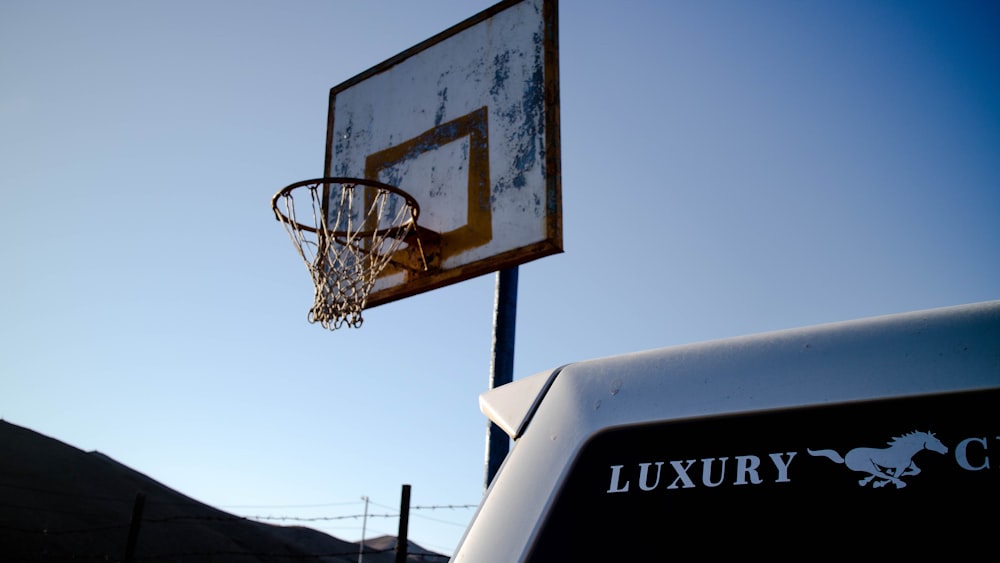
<point>473,127</point>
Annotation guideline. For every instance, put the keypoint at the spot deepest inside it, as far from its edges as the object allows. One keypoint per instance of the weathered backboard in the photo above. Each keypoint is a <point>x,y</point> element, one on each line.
<point>467,123</point>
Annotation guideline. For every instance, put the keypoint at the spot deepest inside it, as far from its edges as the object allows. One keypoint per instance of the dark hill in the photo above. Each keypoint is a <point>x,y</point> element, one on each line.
<point>58,503</point>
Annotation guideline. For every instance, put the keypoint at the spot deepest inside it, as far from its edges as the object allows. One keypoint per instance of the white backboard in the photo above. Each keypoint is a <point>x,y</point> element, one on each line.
<point>467,123</point>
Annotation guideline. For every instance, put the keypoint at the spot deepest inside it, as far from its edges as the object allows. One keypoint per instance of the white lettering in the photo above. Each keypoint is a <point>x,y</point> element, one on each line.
<point>644,474</point>
<point>616,471</point>
<point>746,465</point>
<point>706,471</point>
<point>781,466</point>
<point>682,474</point>
<point>715,471</point>
<point>961,455</point>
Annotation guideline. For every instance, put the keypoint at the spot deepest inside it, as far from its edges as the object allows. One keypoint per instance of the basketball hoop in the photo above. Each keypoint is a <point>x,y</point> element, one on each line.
<point>348,230</point>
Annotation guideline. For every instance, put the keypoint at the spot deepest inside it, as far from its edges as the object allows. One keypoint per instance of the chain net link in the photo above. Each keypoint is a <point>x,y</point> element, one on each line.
<point>351,239</point>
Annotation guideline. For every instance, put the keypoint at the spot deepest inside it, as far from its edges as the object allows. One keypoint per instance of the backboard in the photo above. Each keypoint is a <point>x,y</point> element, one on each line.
<point>467,123</point>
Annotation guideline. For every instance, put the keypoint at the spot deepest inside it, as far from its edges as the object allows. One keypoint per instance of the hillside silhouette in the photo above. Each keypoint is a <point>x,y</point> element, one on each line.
<point>59,503</point>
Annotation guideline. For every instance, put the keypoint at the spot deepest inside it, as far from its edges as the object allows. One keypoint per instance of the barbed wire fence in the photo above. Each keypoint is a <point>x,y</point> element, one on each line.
<point>15,533</point>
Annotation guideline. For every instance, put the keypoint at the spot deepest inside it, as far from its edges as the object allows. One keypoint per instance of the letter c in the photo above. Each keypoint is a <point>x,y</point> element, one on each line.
<point>963,459</point>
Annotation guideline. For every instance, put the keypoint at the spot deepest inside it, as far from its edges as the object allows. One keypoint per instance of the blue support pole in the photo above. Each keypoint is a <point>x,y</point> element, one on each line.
<point>502,365</point>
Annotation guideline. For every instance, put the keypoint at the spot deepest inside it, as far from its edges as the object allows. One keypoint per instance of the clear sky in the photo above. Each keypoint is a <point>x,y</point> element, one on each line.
<point>728,168</point>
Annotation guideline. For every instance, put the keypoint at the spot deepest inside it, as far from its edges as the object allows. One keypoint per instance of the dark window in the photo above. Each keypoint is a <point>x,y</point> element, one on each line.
<point>746,485</point>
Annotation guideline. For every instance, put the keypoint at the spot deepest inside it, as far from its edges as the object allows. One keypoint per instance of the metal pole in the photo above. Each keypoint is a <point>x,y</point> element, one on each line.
<point>404,524</point>
<point>364,522</point>
<point>502,366</point>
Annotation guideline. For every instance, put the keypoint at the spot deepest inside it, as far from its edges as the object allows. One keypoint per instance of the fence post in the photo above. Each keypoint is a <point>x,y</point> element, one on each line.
<point>133,527</point>
<point>404,524</point>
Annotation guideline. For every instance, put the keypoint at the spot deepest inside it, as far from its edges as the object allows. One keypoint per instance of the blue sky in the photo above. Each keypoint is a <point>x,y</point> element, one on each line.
<point>728,168</point>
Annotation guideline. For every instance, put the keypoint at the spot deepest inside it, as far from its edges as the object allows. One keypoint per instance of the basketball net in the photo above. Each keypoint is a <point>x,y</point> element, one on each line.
<point>355,229</point>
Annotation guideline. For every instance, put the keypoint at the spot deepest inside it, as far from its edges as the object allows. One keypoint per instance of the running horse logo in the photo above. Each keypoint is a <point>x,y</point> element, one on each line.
<point>890,464</point>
